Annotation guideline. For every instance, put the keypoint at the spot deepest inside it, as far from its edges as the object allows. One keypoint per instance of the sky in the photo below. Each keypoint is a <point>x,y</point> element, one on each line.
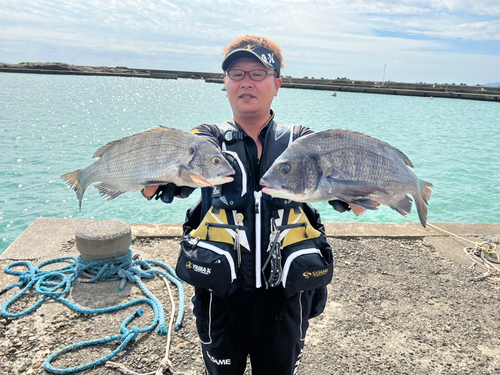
<point>432,41</point>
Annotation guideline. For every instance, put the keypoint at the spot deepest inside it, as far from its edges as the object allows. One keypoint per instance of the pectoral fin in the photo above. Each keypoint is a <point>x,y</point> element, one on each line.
<point>357,210</point>
<point>201,182</point>
<point>364,204</point>
<point>191,178</point>
<point>350,191</point>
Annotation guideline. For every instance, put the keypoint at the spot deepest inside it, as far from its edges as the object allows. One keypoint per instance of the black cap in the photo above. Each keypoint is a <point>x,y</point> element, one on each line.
<point>264,55</point>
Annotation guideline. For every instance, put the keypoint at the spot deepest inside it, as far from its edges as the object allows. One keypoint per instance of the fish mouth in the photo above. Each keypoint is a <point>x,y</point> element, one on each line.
<point>263,182</point>
<point>194,179</point>
<point>224,178</point>
<point>269,188</point>
<point>220,179</point>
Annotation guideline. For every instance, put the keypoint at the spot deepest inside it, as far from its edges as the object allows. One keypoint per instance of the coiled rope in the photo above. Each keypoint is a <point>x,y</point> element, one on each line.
<point>483,254</point>
<point>57,283</point>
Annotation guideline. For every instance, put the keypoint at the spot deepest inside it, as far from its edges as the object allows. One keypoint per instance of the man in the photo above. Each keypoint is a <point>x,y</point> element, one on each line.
<point>260,264</point>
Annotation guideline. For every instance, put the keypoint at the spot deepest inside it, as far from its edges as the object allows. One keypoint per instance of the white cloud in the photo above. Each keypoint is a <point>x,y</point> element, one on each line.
<point>479,31</point>
<point>348,34</point>
<point>83,40</point>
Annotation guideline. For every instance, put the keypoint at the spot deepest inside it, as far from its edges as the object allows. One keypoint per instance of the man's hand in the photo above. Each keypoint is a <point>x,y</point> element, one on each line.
<point>339,206</point>
<point>149,191</point>
<point>166,192</point>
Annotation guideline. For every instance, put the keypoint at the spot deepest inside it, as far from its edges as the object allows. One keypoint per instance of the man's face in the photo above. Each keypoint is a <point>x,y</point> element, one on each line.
<point>249,97</point>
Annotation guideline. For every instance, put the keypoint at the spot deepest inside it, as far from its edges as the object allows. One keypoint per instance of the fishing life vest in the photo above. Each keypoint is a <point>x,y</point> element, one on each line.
<point>238,237</point>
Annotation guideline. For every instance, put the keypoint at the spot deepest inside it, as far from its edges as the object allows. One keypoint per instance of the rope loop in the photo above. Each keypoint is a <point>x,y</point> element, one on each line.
<point>57,283</point>
<point>126,337</point>
<point>489,248</point>
<point>482,254</point>
<point>46,287</point>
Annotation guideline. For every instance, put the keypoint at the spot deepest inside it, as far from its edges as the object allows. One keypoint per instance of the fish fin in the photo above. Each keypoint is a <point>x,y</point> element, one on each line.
<point>106,147</point>
<point>421,201</point>
<point>355,189</point>
<point>364,204</point>
<point>403,206</point>
<point>161,127</point>
<point>426,190</point>
<point>73,182</point>
<point>357,209</point>
<point>155,182</point>
<point>400,153</point>
<point>108,190</point>
<point>406,159</point>
<point>190,177</point>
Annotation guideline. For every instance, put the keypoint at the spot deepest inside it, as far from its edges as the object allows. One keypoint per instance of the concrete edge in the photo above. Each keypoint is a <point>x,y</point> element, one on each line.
<point>45,237</point>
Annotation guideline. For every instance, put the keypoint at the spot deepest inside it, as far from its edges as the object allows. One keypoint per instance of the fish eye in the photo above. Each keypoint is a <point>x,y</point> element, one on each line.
<point>216,160</point>
<point>284,168</point>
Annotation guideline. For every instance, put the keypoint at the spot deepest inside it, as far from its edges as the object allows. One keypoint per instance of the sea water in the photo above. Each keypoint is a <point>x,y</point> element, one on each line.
<point>52,124</point>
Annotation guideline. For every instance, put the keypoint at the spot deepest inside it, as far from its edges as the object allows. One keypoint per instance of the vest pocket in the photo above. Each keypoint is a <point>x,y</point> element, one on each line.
<point>208,264</point>
<point>306,267</point>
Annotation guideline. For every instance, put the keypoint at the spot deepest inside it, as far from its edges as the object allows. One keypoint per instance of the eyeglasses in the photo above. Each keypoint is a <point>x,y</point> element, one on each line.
<point>255,75</point>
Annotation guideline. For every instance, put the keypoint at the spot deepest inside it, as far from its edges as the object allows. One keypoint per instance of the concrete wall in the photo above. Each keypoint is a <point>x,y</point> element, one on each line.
<point>440,90</point>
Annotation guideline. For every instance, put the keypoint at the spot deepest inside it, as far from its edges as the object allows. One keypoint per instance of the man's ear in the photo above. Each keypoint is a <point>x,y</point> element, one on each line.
<point>279,81</point>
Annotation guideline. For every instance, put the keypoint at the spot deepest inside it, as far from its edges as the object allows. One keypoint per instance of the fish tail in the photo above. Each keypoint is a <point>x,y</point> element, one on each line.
<point>421,201</point>
<point>73,182</point>
<point>426,191</point>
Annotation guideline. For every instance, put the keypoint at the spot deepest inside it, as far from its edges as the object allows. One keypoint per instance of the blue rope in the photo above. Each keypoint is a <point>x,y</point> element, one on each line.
<point>57,283</point>
<point>105,269</point>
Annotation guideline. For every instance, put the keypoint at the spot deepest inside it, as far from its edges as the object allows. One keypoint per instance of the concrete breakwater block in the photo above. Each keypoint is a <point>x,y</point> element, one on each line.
<point>103,239</point>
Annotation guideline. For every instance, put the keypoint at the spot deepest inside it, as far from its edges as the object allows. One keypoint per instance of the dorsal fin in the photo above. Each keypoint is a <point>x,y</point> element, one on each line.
<point>109,145</point>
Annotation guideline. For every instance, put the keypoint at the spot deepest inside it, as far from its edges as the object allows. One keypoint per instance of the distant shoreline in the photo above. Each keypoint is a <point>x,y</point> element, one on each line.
<point>430,90</point>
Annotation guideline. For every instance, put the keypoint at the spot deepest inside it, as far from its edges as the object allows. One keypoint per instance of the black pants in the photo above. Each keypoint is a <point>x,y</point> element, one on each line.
<point>265,325</point>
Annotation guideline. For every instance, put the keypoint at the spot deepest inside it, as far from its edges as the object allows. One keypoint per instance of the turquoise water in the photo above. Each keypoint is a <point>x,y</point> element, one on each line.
<point>51,125</point>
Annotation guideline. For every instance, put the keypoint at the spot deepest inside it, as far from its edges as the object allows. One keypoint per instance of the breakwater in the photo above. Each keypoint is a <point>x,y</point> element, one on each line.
<point>431,90</point>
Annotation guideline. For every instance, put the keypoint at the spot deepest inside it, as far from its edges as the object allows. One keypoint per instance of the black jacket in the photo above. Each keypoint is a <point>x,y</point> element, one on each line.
<point>214,220</point>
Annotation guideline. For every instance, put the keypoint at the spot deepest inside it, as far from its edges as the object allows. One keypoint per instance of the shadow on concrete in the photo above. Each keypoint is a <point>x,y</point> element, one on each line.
<point>100,294</point>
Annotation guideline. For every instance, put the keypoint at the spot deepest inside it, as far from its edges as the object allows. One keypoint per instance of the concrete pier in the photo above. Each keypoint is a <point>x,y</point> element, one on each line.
<point>401,294</point>
<point>45,236</point>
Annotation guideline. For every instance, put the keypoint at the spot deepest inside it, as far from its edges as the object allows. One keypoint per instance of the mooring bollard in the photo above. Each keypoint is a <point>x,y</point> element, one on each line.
<point>103,239</point>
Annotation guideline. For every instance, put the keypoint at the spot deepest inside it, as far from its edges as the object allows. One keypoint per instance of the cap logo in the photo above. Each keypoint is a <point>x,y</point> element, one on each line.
<point>269,58</point>
<point>250,47</point>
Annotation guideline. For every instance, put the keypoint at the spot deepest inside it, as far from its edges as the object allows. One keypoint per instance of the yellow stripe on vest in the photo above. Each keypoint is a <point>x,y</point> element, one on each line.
<point>298,234</point>
<point>214,234</point>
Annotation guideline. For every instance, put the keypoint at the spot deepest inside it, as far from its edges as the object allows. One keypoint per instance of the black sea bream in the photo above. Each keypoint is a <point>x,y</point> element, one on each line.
<point>349,166</point>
